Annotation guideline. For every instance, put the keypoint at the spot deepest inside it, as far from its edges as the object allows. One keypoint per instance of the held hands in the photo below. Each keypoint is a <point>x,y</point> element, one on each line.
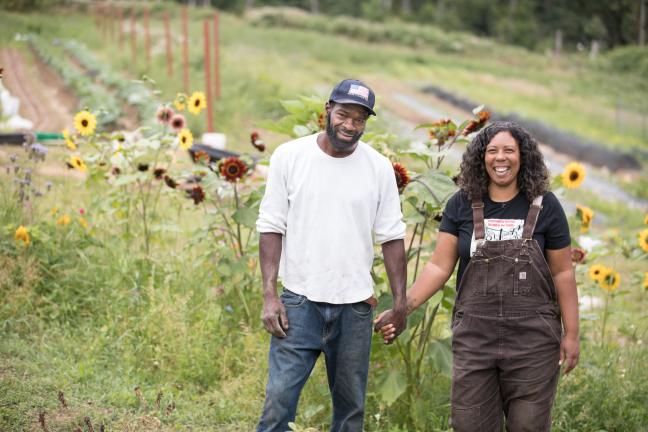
<point>390,323</point>
<point>275,319</point>
<point>569,353</point>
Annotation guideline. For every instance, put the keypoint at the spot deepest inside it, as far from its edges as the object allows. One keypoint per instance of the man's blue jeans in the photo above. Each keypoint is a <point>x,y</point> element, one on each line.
<point>343,334</point>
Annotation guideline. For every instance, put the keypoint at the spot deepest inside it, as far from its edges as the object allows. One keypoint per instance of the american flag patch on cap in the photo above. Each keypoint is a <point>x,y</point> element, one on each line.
<point>358,90</point>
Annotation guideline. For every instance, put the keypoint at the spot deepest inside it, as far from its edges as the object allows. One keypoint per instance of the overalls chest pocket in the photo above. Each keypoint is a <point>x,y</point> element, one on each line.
<point>522,275</point>
<point>500,275</point>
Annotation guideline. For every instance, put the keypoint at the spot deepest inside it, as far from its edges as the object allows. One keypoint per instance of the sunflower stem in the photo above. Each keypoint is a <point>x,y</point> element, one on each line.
<point>605,315</point>
<point>418,252</point>
<point>238,225</point>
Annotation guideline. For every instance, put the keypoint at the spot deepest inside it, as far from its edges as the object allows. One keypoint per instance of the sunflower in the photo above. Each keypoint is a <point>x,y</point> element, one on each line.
<point>186,139</point>
<point>68,140</point>
<point>256,141</point>
<point>402,176</point>
<point>53,211</point>
<point>170,182</point>
<point>22,234</point>
<point>586,215</point>
<point>77,162</point>
<point>178,122</point>
<point>643,240</point>
<point>63,220</point>
<point>180,102</point>
<point>201,157</point>
<point>197,194</point>
<point>197,103</point>
<point>85,123</point>
<point>595,271</point>
<point>610,280</point>
<point>233,169</point>
<point>477,123</point>
<point>573,175</point>
<point>578,255</point>
<point>164,115</point>
<point>158,173</point>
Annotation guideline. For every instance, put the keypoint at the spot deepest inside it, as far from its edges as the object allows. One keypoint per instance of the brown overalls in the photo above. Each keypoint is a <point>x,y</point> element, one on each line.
<point>506,335</point>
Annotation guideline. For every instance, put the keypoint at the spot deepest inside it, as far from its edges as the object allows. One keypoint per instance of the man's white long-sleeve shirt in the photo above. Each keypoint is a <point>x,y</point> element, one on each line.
<point>330,212</point>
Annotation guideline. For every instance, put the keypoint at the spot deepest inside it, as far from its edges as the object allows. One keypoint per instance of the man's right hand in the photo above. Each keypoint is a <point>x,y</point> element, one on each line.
<point>275,319</point>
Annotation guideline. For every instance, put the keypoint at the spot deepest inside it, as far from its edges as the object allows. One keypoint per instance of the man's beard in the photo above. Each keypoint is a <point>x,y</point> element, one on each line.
<point>337,143</point>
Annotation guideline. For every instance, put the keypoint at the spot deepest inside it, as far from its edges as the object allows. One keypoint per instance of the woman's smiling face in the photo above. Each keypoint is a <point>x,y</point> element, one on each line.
<point>502,160</point>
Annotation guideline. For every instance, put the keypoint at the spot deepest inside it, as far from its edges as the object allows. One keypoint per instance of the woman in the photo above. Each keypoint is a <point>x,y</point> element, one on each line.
<point>515,284</point>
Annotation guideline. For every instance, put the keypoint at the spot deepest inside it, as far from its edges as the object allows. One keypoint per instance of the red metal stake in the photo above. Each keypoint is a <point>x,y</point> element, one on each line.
<point>147,38</point>
<point>185,48</point>
<point>217,90</point>
<point>207,63</point>
<point>120,18</point>
<point>167,36</point>
<point>133,39</point>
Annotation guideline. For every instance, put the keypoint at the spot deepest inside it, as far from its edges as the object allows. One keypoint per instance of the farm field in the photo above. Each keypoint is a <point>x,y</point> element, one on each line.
<point>132,298</point>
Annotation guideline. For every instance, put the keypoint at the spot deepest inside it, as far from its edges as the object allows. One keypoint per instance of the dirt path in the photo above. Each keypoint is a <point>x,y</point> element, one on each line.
<point>44,99</point>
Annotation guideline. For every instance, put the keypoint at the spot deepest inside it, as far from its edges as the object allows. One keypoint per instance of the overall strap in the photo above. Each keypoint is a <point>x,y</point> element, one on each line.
<point>478,219</point>
<point>532,218</point>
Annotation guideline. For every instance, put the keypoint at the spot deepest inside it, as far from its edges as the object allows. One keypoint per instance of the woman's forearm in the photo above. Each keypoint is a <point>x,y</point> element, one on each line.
<point>568,302</point>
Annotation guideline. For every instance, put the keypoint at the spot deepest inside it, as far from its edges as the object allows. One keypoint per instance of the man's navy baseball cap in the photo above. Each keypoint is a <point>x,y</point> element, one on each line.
<point>356,92</point>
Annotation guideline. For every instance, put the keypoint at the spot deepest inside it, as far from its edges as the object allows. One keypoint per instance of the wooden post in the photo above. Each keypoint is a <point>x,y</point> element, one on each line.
<point>207,63</point>
<point>147,39</point>
<point>217,90</point>
<point>167,36</point>
<point>133,39</point>
<point>185,48</point>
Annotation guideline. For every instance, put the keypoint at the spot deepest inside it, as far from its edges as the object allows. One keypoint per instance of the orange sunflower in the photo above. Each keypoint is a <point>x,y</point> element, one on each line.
<point>232,169</point>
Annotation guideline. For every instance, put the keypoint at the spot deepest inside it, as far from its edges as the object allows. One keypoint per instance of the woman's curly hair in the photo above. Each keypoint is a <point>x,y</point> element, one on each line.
<point>533,177</point>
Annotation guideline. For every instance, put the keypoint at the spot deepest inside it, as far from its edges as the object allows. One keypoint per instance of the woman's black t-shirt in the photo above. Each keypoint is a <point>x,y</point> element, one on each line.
<point>504,221</point>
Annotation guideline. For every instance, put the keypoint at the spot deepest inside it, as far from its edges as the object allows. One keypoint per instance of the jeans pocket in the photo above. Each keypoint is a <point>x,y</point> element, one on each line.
<point>362,308</point>
<point>291,299</point>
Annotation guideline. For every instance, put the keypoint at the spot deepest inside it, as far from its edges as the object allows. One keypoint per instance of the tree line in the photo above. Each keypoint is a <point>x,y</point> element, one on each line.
<point>534,24</point>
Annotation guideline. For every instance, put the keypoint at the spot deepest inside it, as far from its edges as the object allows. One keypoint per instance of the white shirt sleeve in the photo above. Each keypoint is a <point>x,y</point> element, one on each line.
<point>389,223</point>
<point>273,212</point>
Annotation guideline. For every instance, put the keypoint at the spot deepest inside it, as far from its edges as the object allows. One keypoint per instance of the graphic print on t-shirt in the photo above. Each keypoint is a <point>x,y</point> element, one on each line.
<point>499,229</point>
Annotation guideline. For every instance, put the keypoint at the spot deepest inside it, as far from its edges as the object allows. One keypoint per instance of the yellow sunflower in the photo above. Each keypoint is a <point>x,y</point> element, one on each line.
<point>197,102</point>
<point>68,140</point>
<point>643,240</point>
<point>610,280</point>
<point>53,211</point>
<point>185,138</point>
<point>180,102</point>
<point>78,163</point>
<point>63,220</point>
<point>85,123</point>
<point>22,234</point>
<point>573,175</point>
<point>596,271</point>
<point>586,215</point>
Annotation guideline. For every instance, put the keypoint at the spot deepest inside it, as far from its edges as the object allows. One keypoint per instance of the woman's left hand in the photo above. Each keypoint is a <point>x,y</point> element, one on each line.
<point>569,353</point>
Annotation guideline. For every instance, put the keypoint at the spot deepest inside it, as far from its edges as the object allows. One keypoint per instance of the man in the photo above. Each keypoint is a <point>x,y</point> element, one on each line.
<point>328,198</point>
